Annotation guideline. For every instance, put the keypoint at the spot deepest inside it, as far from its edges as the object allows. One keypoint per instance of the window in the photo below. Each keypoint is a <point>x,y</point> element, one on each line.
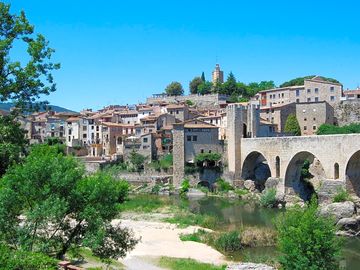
<point>145,140</point>
<point>277,166</point>
<point>308,99</point>
<point>282,95</point>
<point>209,151</point>
<point>309,90</point>
<point>194,138</point>
<point>69,138</point>
<point>202,151</point>
<point>332,88</point>
<point>316,90</point>
<point>314,119</point>
<point>84,128</point>
<point>314,127</point>
<point>297,92</point>
<point>305,127</point>
<point>177,112</point>
<point>297,100</point>
<point>316,99</point>
<point>332,98</point>
<point>188,138</point>
<point>305,119</point>
<point>336,171</point>
<point>84,136</point>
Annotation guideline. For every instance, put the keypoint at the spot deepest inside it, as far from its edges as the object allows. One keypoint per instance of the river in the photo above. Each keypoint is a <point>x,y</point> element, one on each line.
<point>235,214</point>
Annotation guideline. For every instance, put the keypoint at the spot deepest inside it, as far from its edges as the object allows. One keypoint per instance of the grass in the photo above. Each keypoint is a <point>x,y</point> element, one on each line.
<point>341,196</point>
<point>85,255</point>
<point>187,264</point>
<point>200,236</point>
<point>144,204</point>
<point>228,242</point>
<point>185,219</point>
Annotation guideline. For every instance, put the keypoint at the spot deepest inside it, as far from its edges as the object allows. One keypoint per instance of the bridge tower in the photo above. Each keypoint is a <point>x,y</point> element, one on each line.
<point>235,128</point>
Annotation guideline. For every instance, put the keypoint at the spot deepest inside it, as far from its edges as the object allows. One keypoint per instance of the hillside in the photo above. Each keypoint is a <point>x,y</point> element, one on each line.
<point>8,105</point>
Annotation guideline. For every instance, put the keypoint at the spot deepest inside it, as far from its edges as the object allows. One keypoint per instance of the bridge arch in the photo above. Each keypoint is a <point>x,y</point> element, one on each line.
<point>256,168</point>
<point>298,180</point>
<point>352,174</point>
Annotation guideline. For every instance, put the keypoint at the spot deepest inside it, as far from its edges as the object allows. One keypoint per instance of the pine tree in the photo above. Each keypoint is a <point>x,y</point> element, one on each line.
<point>292,125</point>
<point>203,76</point>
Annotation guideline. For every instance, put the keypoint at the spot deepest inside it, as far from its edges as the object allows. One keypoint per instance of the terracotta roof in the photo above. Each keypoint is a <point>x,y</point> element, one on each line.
<point>111,124</point>
<point>73,119</point>
<point>352,92</point>
<point>175,106</point>
<point>190,125</point>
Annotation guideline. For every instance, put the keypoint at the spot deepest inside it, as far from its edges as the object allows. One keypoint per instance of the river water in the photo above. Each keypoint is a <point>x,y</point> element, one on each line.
<point>236,214</point>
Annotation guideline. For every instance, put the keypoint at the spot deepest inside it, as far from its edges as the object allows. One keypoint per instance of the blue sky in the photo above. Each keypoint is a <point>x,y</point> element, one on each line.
<point>120,52</point>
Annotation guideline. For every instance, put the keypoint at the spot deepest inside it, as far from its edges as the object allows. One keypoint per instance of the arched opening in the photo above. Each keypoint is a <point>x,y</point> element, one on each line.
<point>277,166</point>
<point>244,131</point>
<point>303,174</point>
<point>336,171</point>
<point>204,184</point>
<point>353,174</point>
<point>256,168</point>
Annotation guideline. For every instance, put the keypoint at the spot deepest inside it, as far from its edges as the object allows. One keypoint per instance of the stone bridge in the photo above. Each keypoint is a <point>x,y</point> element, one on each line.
<point>337,158</point>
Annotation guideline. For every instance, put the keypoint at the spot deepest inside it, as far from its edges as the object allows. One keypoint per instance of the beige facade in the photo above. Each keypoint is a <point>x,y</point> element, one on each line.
<point>314,90</point>
<point>311,115</point>
<point>277,115</point>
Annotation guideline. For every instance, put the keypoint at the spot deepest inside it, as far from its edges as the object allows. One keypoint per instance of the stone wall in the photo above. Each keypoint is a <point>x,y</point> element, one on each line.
<point>202,101</point>
<point>178,154</point>
<point>347,112</point>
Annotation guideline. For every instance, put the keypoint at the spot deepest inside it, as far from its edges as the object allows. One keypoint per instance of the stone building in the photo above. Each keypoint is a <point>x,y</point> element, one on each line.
<point>311,115</point>
<point>191,138</point>
<point>217,75</point>
<point>314,90</point>
<point>277,115</point>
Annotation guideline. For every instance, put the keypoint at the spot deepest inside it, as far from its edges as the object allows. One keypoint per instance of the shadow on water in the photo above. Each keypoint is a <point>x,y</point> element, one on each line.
<point>236,214</point>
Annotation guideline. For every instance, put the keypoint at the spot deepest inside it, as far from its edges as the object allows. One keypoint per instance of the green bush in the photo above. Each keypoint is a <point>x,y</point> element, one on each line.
<point>242,192</point>
<point>190,169</point>
<point>228,242</point>
<point>156,189</point>
<point>327,129</point>
<point>292,125</point>
<point>268,198</point>
<point>307,240</point>
<point>209,157</point>
<point>187,264</point>
<point>184,219</point>
<point>223,185</point>
<point>341,196</point>
<point>18,259</point>
<point>185,186</point>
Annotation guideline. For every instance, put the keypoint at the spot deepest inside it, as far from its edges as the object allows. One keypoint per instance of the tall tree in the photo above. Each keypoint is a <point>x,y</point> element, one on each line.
<point>203,76</point>
<point>63,207</point>
<point>23,84</point>
<point>230,86</point>
<point>292,125</point>
<point>174,89</point>
<point>205,88</point>
<point>194,85</point>
<point>23,80</point>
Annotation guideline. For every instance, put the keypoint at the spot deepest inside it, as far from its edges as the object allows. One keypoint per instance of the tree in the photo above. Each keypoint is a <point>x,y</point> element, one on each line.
<point>230,85</point>
<point>292,125</point>
<point>307,240</point>
<point>49,205</point>
<point>137,160</point>
<point>205,88</point>
<point>12,142</point>
<point>174,89</point>
<point>300,81</point>
<point>23,84</point>
<point>194,85</point>
<point>203,76</point>
<point>217,88</point>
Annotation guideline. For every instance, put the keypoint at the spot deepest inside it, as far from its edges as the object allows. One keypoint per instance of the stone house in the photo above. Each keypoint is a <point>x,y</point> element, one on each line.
<point>314,90</point>
<point>277,115</point>
<point>311,115</point>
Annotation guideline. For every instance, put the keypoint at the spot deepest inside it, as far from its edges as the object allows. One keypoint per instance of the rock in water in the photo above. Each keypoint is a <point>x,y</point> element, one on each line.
<point>338,210</point>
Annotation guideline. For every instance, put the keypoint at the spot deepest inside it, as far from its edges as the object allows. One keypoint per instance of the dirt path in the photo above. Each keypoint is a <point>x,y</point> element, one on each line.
<point>162,239</point>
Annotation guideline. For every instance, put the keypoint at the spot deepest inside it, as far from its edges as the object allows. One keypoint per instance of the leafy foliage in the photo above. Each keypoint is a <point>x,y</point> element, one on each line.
<point>137,161</point>
<point>23,84</point>
<point>63,207</point>
<point>174,89</point>
<point>209,157</point>
<point>327,129</point>
<point>305,173</point>
<point>300,81</point>
<point>268,198</point>
<point>185,186</point>
<point>292,125</point>
<point>19,259</point>
<point>194,85</point>
<point>341,196</point>
<point>223,186</point>
<point>307,240</point>
<point>12,142</point>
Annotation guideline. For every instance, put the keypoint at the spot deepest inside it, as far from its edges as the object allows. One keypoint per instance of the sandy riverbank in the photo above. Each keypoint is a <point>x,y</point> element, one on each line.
<point>162,239</point>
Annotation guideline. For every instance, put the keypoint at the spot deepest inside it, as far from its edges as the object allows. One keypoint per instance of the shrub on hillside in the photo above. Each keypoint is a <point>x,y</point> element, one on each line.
<point>185,186</point>
<point>341,196</point>
<point>223,186</point>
